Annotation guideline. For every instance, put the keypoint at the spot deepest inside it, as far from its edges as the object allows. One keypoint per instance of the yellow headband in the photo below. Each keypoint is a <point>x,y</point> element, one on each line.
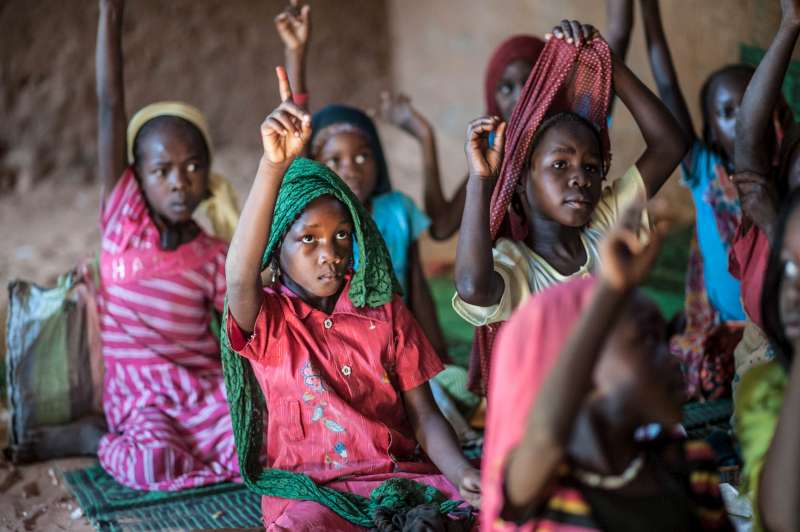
<point>179,109</point>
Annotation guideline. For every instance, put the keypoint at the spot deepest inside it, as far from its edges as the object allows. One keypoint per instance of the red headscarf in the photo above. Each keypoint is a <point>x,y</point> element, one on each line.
<point>526,351</point>
<point>581,79</point>
<point>516,48</point>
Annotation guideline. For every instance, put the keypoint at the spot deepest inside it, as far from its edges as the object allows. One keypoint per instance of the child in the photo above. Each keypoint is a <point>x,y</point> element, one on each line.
<point>562,451</point>
<point>712,293</point>
<point>768,396</point>
<point>161,279</point>
<point>553,173</point>
<point>340,361</point>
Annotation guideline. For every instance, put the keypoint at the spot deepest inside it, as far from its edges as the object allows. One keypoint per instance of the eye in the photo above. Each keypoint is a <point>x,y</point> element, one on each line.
<point>559,165</point>
<point>307,239</point>
<point>332,163</point>
<point>160,172</point>
<point>592,168</point>
<point>192,167</point>
<point>360,159</point>
<point>342,235</point>
<point>505,89</point>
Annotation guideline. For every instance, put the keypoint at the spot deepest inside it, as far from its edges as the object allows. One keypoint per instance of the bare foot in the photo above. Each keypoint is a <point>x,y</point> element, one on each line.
<point>78,438</point>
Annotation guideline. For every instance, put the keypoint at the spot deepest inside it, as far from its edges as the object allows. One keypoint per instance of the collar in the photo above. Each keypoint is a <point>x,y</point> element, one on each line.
<point>344,305</point>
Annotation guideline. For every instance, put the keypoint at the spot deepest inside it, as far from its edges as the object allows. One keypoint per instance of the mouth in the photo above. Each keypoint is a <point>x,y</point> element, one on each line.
<point>329,277</point>
<point>179,206</point>
<point>578,202</point>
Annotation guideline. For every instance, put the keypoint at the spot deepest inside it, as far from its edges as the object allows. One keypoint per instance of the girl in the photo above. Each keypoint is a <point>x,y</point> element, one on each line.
<point>552,177</point>
<point>566,455</point>
<point>712,293</point>
<point>162,277</point>
<point>340,361</point>
<point>768,395</point>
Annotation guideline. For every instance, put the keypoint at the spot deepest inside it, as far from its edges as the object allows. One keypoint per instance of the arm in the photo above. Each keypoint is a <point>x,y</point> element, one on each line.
<point>445,215</point>
<point>294,28</point>
<point>421,301</point>
<point>753,148</point>
<point>779,492</point>
<point>476,281</point>
<point>111,136</point>
<point>664,70</point>
<point>437,438</point>
<point>284,134</point>
<point>534,462</point>
<point>619,17</point>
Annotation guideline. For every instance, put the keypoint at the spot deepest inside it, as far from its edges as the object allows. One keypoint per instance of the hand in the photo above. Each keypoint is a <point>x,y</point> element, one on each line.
<point>397,110</point>
<point>625,259</point>
<point>470,487</point>
<point>294,26</point>
<point>287,129</point>
<point>573,31</point>
<point>484,161</point>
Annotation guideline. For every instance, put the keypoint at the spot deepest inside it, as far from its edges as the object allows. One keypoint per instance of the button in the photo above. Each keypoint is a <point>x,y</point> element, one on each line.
<point>346,371</point>
<point>328,323</point>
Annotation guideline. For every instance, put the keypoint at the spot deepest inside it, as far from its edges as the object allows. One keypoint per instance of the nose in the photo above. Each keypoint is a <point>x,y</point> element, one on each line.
<point>329,253</point>
<point>579,179</point>
<point>178,180</point>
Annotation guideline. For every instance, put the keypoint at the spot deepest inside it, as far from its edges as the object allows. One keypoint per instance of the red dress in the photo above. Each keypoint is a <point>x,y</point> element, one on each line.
<point>333,386</point>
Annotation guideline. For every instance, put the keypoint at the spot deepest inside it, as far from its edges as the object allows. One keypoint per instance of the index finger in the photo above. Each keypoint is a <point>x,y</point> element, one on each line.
<point>283,84</point>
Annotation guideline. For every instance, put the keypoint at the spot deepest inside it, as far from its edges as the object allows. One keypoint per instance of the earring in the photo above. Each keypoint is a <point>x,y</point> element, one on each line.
<point>276,270</point>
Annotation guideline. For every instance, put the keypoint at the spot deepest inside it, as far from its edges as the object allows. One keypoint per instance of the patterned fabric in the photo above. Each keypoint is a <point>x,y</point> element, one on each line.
<point>527,349</point>
<point>515,48</point>
<point>334,383</point>
<point>164,397</point>
<point>748,263</point>
<point>589,70</point>
<point>759,398</point>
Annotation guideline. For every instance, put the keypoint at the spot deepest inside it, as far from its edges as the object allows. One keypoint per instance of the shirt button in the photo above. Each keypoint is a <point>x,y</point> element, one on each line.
<point>328,323</point>
<point>346,371</point>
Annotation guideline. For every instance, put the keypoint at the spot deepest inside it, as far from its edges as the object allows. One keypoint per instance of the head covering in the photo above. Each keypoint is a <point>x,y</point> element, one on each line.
<point>526,350</point>
<point>222,207</point>
<point>373,284</point>
<point>516,48</point>
<point>335,119</point>
<point>588,71</point>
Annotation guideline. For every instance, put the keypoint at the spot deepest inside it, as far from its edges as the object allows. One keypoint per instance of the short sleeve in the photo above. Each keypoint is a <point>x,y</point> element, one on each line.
<point>513,268</point>
<point>125,196</point>
<point>417,220</point>
<point>269,329</point>
<point>415,360</point>
<point>759,398</point>
<point>616,197</point>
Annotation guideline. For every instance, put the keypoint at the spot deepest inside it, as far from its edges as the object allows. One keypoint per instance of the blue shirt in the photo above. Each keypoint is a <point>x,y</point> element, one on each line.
<point>722,288</point>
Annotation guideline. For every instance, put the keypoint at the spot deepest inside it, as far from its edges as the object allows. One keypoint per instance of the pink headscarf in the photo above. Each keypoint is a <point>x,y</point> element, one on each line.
<point>526,350</point>
<point>516,48</point>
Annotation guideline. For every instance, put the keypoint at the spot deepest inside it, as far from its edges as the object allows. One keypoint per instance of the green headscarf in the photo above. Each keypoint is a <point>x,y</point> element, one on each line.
<point>373,284</point>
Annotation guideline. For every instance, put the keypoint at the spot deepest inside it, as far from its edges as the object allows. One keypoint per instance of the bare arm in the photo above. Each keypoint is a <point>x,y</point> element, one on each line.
<point>284,133</point>
<point>111,120</point>
<point>294,28</point>
<point>440,443</point>
<point>663,68</point>
<point>421,301</point>
<point>534,462</point>
<point>753,148</point>
<point>619,17</point>
<point>476,281</point>
<point>445,215</point>
<point>779,492</point>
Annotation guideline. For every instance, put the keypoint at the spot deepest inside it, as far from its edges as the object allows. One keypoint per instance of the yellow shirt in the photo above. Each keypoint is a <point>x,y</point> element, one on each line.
<point>524,272</point>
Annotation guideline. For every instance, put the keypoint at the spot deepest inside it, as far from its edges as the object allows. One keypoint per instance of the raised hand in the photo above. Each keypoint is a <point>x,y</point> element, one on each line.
<point>287,129</point>
<point>396,109</point>
<point>294,25</point>
<point>573,31</point>
<point>484,160</point>
<point>791,11</point>
<point>625,259</point>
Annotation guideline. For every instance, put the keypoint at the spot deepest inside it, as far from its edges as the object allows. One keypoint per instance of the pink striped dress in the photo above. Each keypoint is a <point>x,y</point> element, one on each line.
<point>164,396</point>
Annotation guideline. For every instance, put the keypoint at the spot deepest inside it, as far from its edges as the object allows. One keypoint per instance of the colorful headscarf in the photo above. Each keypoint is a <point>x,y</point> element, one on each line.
<point>526,351</point>
<point>516,48</point>
<point>565,78</point>
<point>335,119</point>
<point>222,207</point>
<point>373,285</point>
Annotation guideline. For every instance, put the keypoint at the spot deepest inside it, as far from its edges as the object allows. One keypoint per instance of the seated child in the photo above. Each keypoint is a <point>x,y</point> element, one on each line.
<point>341,363</point>
<point>551,192</point>
<point>576,371</point>
<point>162,277</point>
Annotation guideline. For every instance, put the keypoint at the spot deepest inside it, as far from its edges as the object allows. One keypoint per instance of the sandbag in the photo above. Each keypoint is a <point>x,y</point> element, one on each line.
<point>54,366</point>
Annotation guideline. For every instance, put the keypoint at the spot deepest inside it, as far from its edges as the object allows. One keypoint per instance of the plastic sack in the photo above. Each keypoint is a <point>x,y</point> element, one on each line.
<point>54,360</point>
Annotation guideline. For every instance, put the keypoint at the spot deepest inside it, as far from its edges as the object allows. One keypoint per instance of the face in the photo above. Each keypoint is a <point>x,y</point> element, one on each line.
<point>316,251</point>
<point>789,303</point>
<point>510,86</point>
<point>566,179</point>
<point>172,166</point>
<point>724,99</point>
<point>351,157</point>
<point>636,370</point>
